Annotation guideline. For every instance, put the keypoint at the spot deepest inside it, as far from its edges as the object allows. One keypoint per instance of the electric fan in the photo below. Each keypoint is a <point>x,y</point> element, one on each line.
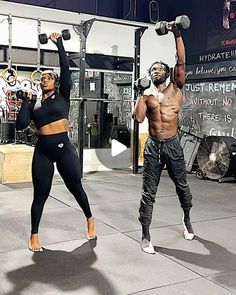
<point>216,157</point>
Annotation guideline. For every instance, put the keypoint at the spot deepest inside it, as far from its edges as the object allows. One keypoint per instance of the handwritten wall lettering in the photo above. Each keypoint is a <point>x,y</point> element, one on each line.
<point>217,56</point>
<point>211,70</point>
<point>212,56</point>
<point>210,107</point>
<point>223,87</point>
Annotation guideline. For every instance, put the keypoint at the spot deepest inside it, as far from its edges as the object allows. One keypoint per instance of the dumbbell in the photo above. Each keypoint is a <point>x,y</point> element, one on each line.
<point>21,94</point>
<point>141,84</point>
<point>24,94</point>
<point>181,21</point>
<point>65,34</point>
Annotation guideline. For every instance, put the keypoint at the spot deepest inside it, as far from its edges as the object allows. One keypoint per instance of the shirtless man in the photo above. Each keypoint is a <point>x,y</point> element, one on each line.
<point>163,146</point>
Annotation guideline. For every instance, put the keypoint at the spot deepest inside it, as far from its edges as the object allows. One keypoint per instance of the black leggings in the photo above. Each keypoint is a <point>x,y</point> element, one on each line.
<point>49,149</point>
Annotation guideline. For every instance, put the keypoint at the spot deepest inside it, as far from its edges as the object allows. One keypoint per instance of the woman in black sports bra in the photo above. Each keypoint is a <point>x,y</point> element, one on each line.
<point>50,116</point>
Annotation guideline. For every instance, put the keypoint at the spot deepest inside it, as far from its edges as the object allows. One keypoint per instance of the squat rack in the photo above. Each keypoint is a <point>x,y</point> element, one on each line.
<point>83,31</point>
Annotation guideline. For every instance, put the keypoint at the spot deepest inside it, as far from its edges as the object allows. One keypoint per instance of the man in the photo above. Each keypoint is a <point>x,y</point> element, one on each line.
<point>163,146</point>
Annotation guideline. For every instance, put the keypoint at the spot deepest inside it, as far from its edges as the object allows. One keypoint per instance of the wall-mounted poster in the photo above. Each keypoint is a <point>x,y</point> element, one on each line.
<point>222,26</point>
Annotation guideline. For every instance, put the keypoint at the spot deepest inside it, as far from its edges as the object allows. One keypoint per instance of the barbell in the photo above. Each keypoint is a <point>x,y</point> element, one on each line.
<point>181,21</point>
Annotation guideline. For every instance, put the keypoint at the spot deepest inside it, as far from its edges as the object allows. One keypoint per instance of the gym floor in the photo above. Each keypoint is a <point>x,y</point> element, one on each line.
<point>115,264</point>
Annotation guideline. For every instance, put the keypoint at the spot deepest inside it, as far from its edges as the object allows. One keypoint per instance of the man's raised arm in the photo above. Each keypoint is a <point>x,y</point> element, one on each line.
<point>179,70</point>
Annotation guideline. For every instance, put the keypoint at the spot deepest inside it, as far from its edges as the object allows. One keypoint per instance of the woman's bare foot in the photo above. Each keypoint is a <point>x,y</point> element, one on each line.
<point>91,232</point>
<point>34,244</point>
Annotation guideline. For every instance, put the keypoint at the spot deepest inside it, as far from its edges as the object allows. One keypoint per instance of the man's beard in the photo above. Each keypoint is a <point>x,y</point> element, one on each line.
<point>157,81</point>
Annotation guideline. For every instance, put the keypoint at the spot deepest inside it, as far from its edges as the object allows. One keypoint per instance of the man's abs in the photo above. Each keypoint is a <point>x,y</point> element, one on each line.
<point>163,131</point>
<point>163,117</point>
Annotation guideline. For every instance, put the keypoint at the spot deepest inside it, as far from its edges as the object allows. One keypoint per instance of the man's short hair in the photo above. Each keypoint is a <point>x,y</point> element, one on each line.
<point>167,68</point>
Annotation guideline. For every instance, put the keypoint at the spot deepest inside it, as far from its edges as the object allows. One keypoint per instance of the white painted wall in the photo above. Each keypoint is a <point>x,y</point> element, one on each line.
<point>102,37</point>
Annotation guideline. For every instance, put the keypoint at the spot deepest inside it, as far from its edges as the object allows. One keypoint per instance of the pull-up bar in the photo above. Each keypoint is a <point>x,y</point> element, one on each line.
<point>42,20</point>
<point>74,24</point>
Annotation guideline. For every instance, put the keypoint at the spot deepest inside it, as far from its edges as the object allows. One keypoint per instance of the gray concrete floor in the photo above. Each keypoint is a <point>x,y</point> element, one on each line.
<point>115,264</point>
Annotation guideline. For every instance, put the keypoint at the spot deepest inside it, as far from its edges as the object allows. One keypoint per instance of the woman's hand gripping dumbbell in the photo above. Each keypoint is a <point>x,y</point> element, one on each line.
<point>65,34</point>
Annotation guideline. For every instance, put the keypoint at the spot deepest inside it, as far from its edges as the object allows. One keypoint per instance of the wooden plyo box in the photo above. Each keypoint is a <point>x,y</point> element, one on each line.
<point>15,163</point>
<point>142,139</point>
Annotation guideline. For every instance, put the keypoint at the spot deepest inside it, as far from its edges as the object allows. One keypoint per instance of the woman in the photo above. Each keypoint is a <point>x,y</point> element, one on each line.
<point>50,116</point>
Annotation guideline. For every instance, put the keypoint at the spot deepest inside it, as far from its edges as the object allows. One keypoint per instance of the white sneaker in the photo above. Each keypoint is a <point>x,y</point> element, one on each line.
<point>188,230</point>
<point>147,247</point>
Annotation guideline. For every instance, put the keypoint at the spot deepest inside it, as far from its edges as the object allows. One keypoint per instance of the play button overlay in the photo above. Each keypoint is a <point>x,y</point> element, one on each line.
<point>117,153</point>
<point>117,147</point>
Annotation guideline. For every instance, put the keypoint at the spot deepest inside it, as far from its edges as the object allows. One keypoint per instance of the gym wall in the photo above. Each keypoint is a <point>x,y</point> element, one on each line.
<point>101,39</point>
<point>210,100</point>
<point>118,40</point>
